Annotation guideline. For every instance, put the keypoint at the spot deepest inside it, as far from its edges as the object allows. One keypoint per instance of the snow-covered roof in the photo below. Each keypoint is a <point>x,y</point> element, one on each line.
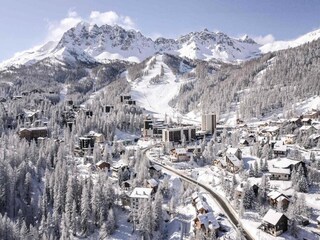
<point>156,167</point>
<point>275,195</point>
<point>294,119</point>
<point>290,135</point>
<point>100,162</point>
<point>306,119</point>
<point>285,163</point>
<point>314,136</point>
<point>306,128</point>
<point>279,146</point>
<point>209,220</point>
<point>141,192</point>
<point>318,218</point>
<point>232,150</point>
<point>152,182</point>
<point>279,170</point>
<point>181,151</point>
<point>271,129</point>
<point>242,141</point>
<point>34,128</point>
<point>272,217</point>
<point>196,195</point>
<point>202,204</point>
<point>234,160</point>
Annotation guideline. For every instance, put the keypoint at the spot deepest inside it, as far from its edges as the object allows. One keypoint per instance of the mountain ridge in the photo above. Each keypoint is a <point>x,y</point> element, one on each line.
<point>91,43</point>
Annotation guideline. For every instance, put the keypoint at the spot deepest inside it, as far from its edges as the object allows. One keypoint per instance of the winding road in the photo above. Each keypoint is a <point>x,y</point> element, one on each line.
<point>222,203</point>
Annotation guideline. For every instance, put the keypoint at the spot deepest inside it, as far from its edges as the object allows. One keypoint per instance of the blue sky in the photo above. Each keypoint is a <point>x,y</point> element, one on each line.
<point>24,24</point>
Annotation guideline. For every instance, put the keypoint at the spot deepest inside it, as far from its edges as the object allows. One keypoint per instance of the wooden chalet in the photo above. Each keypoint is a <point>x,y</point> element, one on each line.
<point>279,173</point>
<point>155,171</point>
<point>152,183</point>
<point>274,223</point>
<point>279,149</point>
<point>207,223</point>
<point>103,165</point>
<point>275,198</point>
<point>33,133</point>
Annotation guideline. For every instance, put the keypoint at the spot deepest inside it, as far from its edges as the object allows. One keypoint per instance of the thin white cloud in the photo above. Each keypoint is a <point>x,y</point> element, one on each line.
<point>264,39</point>
<point>111,18</point>
<point>57,28</point>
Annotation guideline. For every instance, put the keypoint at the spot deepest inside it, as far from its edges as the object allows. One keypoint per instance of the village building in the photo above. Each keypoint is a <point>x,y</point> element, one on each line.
<point>208,123</point>
<point>275,198</point>
<point>295,121</point>
<point>239,190</point>
<point>200,204</point>
<point>290,139</point>
<point>313,114</point>
<point>103,165</point>
<point>155,171</point>
<point>86,143</point>
<point>207,223</point>
<point>123,98</point>
<point>271,131</point>
<point>279,173</point>
<point>126,185</point>
<point>244,142</point>
<point>98,137</point>
<point>108,108</point>
<point>136,197</point>
<point>282,168</point>
<point>318,221</point>
<point>279,149</point>
<point>306,121</point>
<point>233,159</point>
<point>307,129</point>
<point>179,155</point>
<point>274,223</point>
<point>178,134</point>
<point>33,133</point>
<point>152,183</point>
<point>153,127</point>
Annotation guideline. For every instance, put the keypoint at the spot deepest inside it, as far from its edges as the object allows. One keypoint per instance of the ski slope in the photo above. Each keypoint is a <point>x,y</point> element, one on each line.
<point>155,97</point>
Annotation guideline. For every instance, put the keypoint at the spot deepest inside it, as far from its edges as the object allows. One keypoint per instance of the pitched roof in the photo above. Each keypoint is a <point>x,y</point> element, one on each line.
<point>275,195</point>
<point>209,220</point>
<point>152,182</point>
<point>234,160</point>
<point>279,170</point>
<point>285,163</point>
<point>141,192</point>
<point>232,150</point>
<point>272,217</point>
<point>279,146</point>
<point>202,204</point>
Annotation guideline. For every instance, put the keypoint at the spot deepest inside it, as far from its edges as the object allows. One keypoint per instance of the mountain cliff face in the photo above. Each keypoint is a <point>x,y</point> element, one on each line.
<point>90,43</point>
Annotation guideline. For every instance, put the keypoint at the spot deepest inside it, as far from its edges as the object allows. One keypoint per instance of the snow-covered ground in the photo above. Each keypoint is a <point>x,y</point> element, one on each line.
<point>155,97</point>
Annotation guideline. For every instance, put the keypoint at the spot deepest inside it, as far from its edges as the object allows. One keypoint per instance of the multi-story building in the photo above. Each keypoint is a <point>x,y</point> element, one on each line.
<point>208,123</point>
<point>177,134</point>
<point>136,197</point>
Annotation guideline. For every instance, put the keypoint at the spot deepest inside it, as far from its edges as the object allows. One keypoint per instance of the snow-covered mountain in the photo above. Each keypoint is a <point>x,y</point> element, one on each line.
<point>280,45</point>
<point>90,43</point>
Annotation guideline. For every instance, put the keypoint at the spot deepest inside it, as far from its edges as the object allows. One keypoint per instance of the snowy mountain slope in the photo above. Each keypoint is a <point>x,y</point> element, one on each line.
<point>90,43</point>
<point>155,96</point>
<point>280,45</point>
